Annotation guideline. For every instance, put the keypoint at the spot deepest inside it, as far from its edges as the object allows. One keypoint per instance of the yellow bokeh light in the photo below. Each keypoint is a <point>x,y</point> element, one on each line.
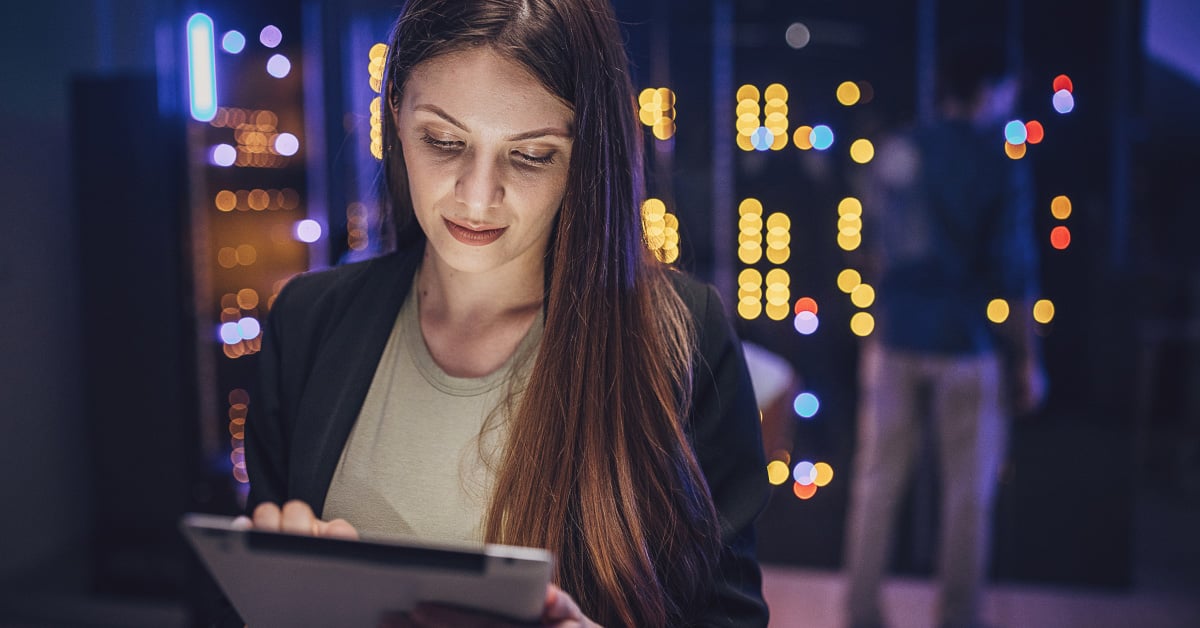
<point>775,91</point>
<point>378,51</point>
<point>246,254</point>
<point>779,220</point>
<point>997,310</point>
<point>863,295</point>
<point>226,200</point>
<point>664,128</point>
<point>779,142</point>
<point>747,123</point>
<point>803,137</point>
<point>778,255</point>
<point>848,93</point>
<point>778,276</point>
<point>778,472</point>
<point>1060,207</point>
<point>744,143</point>
<point>850,206</point>
<point>749,279</point>
<point>1043,311</point>
<point>747,108</point>
<point>749,308</point>
<point>862,151</point>
<point>824,474</point>
<point>777,311</point>
<point>777,294</point>
<point>750,206</point>
<point>1014,151</point>
<point>849,222</point>
<point>749,255</point>
<point>653,209</point>
<point>247,299</point>
<point>849,242</point>
<point>227,257</point>
<point>862,324</point>
<point>747,92</point>
<point>848,280</point>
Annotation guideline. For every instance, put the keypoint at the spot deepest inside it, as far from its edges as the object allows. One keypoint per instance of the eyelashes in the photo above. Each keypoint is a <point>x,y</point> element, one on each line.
<point>454,146</point>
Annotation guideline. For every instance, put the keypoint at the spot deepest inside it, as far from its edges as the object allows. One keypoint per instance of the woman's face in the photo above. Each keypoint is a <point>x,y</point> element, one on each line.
<point>487,150</point>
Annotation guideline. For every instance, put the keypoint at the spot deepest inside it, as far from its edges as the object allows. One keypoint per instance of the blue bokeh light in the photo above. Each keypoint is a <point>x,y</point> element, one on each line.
<point>805,473</point>
<point>1015,132</point>
<point>806,323</point>
<point>248,328</point>
<point>1064,101</point>
<point>762,138</point>
<point>278,66</point>
<point>233,42</point>
<point>230,334</point>
<point>821,137</point>
<point>202,68</point>
<point>806,405</point>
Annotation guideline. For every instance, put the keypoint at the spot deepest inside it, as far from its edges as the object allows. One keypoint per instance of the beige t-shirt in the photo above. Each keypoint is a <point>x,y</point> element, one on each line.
<point>412,464</point>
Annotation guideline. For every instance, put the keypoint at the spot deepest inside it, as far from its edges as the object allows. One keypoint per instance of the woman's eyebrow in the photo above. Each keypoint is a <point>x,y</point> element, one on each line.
<point>526,135</point>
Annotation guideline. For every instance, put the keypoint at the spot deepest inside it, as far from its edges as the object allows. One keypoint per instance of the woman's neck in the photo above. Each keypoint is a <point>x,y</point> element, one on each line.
<point>449,296</point>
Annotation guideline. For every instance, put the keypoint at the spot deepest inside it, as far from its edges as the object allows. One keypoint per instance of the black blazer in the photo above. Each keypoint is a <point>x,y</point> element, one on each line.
<point>326,333</point>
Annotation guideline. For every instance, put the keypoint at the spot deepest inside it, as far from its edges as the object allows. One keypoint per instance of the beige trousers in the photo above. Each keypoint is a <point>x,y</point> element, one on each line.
<point>971,435</point>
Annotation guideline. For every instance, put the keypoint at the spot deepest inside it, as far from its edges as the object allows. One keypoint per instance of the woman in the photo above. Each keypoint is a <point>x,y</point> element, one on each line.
<point>520,370</point>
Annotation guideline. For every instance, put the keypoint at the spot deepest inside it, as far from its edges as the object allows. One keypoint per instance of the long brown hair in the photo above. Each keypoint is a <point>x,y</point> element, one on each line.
<point>597,467</point>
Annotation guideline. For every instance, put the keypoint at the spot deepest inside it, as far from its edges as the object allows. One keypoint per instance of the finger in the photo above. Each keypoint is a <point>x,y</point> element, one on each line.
<point>338,529</point>
<point>242,522</point>
<point>560,606</point>
<point>267,517</point>
<point>298,518</point>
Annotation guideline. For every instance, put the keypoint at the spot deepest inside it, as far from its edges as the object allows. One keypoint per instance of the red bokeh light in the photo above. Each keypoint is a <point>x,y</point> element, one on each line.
<point>1060,237</point>
<point>804,491</point>
<point>806,304</point>
<point>1034,132</point>
<point>1062,81</point>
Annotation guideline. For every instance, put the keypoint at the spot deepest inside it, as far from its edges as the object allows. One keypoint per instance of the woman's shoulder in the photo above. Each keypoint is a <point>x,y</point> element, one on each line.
<point>313,288</point>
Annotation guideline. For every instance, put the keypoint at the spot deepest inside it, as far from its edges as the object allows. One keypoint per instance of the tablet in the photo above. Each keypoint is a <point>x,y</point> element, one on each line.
<point>277,579</point>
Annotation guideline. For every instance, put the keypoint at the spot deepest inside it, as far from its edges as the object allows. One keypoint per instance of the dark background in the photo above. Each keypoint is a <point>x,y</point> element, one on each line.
<point>112,404</point>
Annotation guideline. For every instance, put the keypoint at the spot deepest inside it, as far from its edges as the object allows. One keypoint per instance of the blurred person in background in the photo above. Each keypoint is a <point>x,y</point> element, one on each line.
<point>952,231</point>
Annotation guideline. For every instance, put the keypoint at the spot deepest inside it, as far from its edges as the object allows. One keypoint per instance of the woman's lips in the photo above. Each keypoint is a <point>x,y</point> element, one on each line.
<point>473,237</point>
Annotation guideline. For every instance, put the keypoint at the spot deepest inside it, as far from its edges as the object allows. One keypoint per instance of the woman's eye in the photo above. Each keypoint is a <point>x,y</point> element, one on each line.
<point>543,160</point>
<point>446,145</point>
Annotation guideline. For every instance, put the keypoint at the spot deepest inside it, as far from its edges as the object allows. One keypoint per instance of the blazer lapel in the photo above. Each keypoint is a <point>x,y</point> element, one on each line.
<point>342,372</point>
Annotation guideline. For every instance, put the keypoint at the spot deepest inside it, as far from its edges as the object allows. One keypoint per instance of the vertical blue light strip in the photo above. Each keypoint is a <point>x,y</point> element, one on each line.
<point>202,67</point>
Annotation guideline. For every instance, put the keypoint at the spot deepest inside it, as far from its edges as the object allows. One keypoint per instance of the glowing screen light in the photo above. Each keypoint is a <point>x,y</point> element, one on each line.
<point>806,405</point>
<point>1063,101</point>
<point>1015,132</point>
<point>777,472</point>
<point>286,144</point>
<point>806,323</point>
<point>233,42</point>
<point>805,473</point>
<point>308,230</point>
<point>1060,237</point>
<point>1034,132</point>
<point>202,68</point>
<point>278,66</point>
<point>1063,82</point>
<point>997,311</point>
<point>222,155</point>
<point>270,36</point>
<point>821,137</point>
<point>1043,311</point>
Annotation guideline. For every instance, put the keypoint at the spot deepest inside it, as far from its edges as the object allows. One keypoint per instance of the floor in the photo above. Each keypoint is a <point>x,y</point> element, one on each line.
<point>1166,591</point>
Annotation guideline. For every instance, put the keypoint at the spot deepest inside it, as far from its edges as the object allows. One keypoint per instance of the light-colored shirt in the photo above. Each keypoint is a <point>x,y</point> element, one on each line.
<point>417,460</point>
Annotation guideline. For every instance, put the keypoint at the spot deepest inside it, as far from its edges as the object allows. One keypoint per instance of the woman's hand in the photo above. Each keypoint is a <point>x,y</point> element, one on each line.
<point>296,517</point>
<point>559,611</point>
